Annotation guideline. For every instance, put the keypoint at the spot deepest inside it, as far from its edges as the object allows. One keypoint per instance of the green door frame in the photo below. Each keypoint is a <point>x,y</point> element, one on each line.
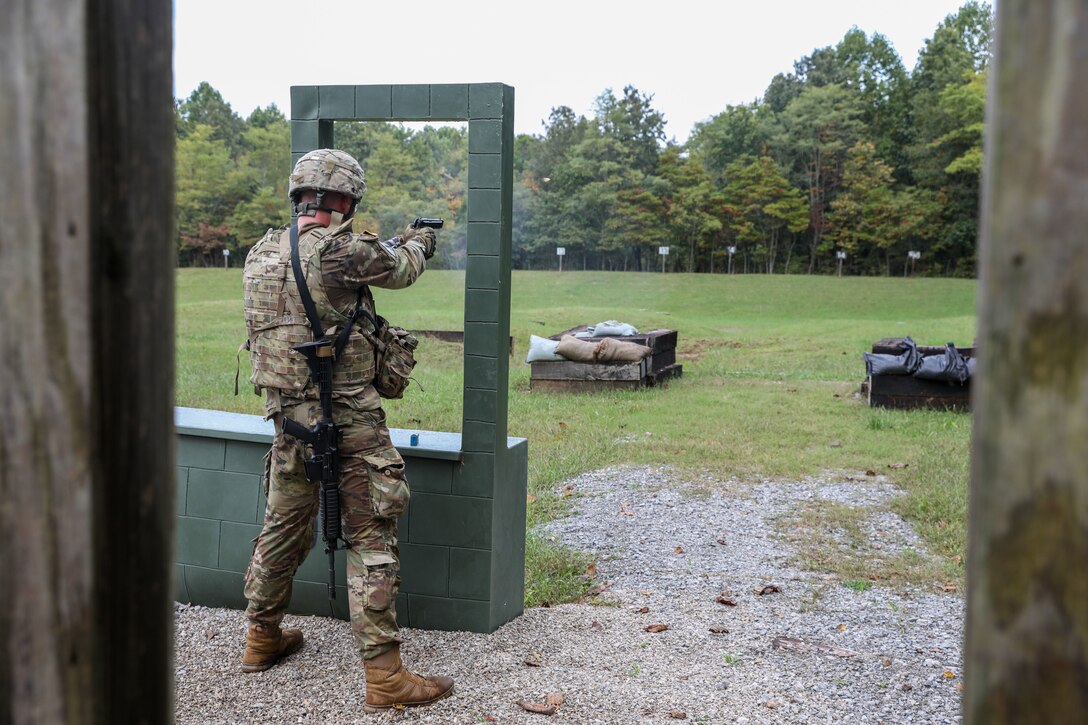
<point>476,522</point>
<point>489,110</point>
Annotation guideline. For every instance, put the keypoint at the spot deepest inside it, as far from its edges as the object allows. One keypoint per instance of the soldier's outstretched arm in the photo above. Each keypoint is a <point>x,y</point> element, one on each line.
<point>363,259</point>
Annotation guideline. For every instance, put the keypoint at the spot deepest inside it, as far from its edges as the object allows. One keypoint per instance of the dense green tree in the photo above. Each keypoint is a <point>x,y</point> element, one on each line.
<point>887,161</point>
<point>694,207</point>
<point>209,185</point>
<point>736,132</point>
<point>815,131</point>
<point>873,69</point>
<point>766,207</point>
<point>270,115</point>
<point>863,219</point>
<point>205,107</point>
<point>634,124</point>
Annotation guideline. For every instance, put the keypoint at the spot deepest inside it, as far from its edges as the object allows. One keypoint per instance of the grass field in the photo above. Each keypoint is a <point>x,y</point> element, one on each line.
<point>771,368</point>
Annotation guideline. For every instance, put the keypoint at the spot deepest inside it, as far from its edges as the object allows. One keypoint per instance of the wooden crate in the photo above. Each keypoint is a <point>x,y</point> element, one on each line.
<point>905,392</point>
<point>570,376</point>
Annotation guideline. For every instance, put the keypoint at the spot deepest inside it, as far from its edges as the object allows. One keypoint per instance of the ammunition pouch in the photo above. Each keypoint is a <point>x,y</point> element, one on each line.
<point>396,359</point>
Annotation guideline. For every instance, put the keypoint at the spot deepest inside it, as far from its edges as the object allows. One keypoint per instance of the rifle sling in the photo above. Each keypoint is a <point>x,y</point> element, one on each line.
<point>311,309</point>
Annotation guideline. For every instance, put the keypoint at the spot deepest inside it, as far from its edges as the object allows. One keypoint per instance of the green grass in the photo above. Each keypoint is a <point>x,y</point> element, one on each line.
<point>772,365</point>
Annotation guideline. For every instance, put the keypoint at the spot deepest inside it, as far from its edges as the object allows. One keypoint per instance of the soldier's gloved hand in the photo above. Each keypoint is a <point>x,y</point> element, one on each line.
<point>424,235</point>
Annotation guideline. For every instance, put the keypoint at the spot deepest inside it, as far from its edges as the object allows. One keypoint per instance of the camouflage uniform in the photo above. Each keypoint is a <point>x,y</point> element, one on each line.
<point>373,488</point>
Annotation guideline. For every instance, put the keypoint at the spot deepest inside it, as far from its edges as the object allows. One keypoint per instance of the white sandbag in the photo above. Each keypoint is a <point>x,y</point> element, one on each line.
<point>542,349</point>
<point>613,328</point>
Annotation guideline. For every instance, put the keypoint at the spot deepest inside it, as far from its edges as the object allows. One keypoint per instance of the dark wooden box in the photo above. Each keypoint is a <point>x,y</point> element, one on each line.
<point>906,392</point>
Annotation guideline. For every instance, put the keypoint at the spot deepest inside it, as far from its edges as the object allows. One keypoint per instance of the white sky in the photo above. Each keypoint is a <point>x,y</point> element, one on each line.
<point>694,56</point>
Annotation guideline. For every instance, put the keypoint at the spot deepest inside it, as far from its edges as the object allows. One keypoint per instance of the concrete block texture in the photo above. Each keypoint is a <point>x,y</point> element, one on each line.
<point>451,521</point>
<point>304,102</point>
<point>200,452</point>
<point>449,101</point>
<point>373,102</point>
<point>336,102</point>
<point>411,102</point>
<point>222,495</point>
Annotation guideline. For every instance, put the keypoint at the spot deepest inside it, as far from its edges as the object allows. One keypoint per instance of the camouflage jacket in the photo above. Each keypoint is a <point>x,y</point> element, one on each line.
<point>336,263</point>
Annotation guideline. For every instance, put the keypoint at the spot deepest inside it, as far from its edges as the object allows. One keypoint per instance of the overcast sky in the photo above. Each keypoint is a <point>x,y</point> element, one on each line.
<point>694,57</point>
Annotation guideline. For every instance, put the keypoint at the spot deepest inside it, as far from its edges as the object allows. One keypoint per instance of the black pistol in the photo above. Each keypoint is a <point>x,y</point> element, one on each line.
<point>422,221</point>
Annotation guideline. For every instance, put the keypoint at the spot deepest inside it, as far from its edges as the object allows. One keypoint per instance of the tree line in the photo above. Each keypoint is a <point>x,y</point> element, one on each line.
<point>849,154</point>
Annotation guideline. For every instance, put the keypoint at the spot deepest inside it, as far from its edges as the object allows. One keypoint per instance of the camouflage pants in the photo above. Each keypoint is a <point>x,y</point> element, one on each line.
<point>373,493</point>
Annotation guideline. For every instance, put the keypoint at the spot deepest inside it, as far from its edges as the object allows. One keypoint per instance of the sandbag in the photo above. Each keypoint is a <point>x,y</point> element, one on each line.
<point>904,363</point>
<point>949,366</point>
<point>612,350</point>
<point>572,348</point>
<point>614,328</point>
<point>542,349</point>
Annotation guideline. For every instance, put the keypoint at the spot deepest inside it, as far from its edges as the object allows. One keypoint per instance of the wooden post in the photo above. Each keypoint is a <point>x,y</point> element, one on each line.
<point>1027,618</point>
<point>86,356</point>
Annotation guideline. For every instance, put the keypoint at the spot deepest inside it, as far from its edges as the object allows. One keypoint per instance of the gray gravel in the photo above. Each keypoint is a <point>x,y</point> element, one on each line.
<point>907,666</point>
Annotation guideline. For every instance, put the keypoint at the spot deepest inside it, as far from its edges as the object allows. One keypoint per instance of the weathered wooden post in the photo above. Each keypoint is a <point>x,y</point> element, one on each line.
<point>86,358</point>
<point>1027,622</point>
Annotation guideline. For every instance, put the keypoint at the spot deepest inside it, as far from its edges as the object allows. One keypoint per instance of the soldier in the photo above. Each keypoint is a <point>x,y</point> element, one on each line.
<point>339,267</point>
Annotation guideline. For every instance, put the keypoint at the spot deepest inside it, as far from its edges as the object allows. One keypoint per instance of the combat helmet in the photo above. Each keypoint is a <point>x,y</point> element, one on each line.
<point>325,170</point>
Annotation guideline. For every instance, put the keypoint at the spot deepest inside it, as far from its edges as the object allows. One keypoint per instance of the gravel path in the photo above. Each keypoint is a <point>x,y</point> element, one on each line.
<point>666,548</point>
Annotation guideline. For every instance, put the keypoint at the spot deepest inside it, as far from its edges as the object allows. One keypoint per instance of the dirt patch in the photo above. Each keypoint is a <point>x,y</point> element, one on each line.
<point>697,349</point>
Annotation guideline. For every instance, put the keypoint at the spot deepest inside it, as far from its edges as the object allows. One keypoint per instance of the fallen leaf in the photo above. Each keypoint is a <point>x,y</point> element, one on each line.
<point>538,708</point>
<point>530,498</point>
<point>721,599</point>
<point>555,699</point>
<point>719,630</point>
<point>835,444</point>
<point>644,610</point>
<point>568,488</point>
<point>870,472</point>
<point>886,661</point>
<point>949,674</point>
<point>655,628</point>
<point>772,704</point>
<point>645,593</point>
<point>679,550</point>
<point>562,425</point>
<point>907,687</point>
<point>898,465</point>
<point>949,587</point>
<point>769,589</point>
<point>596,625</point>
<point>533,660</point>
<point>841,628</point>
<point>490,718</point>
<point>677,714</point>
<point>210,634</point>
<point>721,541</point>
<point>591,570</point>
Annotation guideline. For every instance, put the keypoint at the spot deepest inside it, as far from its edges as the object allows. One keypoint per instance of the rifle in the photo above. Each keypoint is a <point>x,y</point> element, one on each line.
<point>323,438</point>
<point>422,221</point>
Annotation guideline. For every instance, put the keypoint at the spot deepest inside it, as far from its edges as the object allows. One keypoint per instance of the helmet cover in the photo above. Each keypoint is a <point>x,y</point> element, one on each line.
<point>327,170</point>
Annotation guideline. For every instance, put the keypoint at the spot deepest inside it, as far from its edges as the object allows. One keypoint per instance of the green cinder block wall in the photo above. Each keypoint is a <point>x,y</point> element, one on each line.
<point>462,545</point>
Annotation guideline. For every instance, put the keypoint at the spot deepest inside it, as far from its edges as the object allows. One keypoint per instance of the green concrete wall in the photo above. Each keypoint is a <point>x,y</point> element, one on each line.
<point>462,547</point>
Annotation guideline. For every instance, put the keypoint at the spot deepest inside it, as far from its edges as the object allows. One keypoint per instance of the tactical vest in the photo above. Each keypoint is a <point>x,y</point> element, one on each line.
<point>276,319</point>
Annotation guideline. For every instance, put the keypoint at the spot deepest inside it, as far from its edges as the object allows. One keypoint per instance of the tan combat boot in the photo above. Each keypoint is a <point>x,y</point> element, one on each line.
<point>388,684</point>
<point>265,646</point>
